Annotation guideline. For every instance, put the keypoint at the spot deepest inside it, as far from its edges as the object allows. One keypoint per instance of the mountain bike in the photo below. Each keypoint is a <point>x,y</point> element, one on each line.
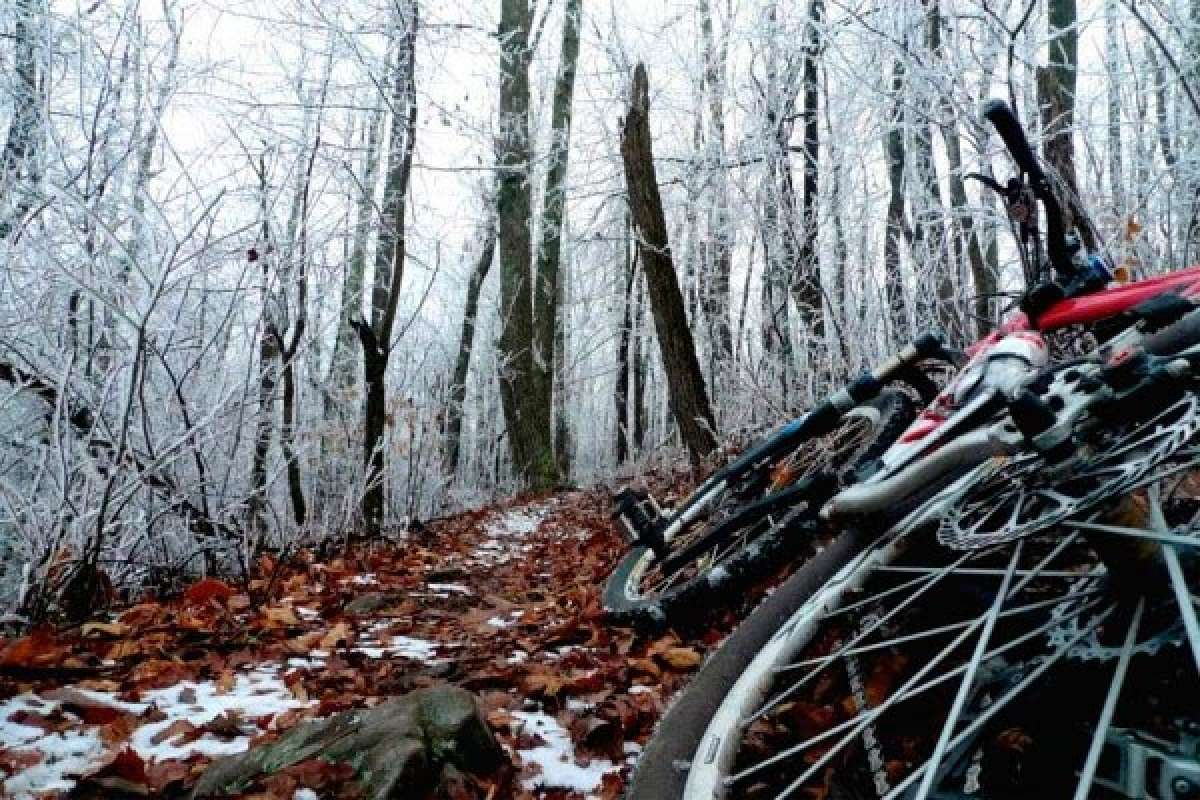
<point>1010,608</point>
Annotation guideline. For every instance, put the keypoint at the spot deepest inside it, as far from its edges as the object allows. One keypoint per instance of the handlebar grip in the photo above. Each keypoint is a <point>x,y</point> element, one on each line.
<point>1005,121</point>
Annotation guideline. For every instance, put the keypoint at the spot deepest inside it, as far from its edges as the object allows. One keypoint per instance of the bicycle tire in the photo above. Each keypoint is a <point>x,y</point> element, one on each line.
<point>1056,677</point>
<point>781,539</point>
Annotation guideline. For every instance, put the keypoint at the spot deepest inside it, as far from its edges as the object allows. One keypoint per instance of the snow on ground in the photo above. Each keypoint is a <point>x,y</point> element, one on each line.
<point>506,622</point>
<point>65,756</point>
<point>254,694</point>
<point>457,588</point>
<point>556,757</point>
<point>406,646</point>
<point>373,646</point>
<point>513,524</point>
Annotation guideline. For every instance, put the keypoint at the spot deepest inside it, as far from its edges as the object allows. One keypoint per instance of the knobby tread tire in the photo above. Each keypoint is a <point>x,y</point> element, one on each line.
<point>694,599</point>
<point>661,771</point>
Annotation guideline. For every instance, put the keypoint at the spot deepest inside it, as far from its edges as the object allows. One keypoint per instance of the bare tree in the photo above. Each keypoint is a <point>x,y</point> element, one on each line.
<point>689,398</point>
<point>375,335</point>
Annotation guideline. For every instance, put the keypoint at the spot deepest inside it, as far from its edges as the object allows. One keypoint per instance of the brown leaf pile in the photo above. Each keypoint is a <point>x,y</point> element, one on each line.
<point>518,621</point>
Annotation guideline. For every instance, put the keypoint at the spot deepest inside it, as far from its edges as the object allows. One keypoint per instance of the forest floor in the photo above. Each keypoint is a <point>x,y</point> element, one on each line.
<point>504,602</point>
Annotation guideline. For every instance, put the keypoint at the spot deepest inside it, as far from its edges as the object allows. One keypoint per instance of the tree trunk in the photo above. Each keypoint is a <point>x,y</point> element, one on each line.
<point>1116,169</point>
<point>527,410</point>
<point>639,358</point>
<point>562,427</point>
<point>962,222</point>
<point>18,160</point>
<point>547,311</point>
<point>806,281</point>
<point>466,343</point>
<point>286,440</point>
<point>685,382</point>
<point>1056,99</point>
<point>897,225</point>
<point>624,336</point>
<point>718,265</point>
<point>376,335</point>
<point>343,369</point>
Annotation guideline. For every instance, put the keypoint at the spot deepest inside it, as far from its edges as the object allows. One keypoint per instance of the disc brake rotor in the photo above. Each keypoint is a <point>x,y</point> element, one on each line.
<point>1092,646</point>
<point>1025,494</point>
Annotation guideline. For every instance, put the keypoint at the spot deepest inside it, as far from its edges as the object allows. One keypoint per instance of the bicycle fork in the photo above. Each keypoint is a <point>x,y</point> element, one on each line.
<point>642,520</point>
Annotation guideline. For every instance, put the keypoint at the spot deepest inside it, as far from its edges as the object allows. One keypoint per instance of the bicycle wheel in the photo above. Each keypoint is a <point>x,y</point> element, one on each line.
<point>1058,665</point>
<point>753,525</point>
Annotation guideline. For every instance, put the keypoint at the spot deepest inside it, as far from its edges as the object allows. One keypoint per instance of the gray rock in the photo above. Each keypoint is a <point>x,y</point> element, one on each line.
<point>398,749</point>
<point>370,602</point>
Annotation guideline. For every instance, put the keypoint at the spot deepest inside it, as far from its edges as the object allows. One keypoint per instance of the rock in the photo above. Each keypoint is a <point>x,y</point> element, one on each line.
<point>403,748</point>
<point>370,602</point>
<point>445,574</point>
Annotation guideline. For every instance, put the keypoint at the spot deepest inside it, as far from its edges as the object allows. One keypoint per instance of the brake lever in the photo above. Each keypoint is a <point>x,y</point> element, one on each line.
<point>988,181</point>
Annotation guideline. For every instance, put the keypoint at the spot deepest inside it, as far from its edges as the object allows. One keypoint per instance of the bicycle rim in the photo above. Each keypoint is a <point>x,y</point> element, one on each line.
<point>922,672</point>
<point>842,446</point>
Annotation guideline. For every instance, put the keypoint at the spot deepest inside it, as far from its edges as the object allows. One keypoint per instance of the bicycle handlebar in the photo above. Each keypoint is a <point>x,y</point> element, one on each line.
<point>998,113</point>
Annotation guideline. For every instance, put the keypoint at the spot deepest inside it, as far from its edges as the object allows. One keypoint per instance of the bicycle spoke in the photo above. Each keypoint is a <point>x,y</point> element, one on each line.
<point>1110,706</point>
<point>984,571</point>
<point>1122,530</point>
<point>870,599</point>
<point>907,692</point>
<point>862,634</point>
<point>997,705</point>
<point>926,634</point>
<point>960,700</point>
<point>1187,609</point>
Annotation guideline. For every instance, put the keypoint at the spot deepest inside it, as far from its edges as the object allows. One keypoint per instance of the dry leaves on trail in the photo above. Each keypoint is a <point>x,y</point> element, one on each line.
<point>505,602</point>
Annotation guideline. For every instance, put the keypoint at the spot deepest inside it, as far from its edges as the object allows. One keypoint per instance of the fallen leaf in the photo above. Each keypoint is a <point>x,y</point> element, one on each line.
<point>338,635</point>
<point>114,629</point>
<point>202,592</point>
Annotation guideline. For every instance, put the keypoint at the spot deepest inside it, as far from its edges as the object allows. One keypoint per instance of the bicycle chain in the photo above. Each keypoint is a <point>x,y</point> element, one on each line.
<point>874,751</point>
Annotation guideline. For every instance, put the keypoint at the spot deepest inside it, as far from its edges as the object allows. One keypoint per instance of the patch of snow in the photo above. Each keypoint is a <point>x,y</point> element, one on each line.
<point>556,757</point>
<point>304,794</point>
<point>70,753</point>
<point>406,646</point>
<point>255,694</point>
<point>305,663</point>
<point>64,755</point>
<point>639,689</point>
<point>518,522</point>
<point>449,587</point>
<point>506,622</point>
<point>519,657</point>
<point>559,652</point>
<point>306,613</point>
<point>364,579</point>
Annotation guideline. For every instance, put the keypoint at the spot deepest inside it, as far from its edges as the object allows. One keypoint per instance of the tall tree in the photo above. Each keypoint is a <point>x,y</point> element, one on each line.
<point>466,344</point>
<point>344,370</point>
<point>1116,170</point>
<point>624,336</point>
<point>806,282</point>
<point>717,263</point>
<point>1056,84</point>
<point>685,381</point>
<point>548,309</point>
<point>527,405</point>
<point>19,171</point>
<point>897,222</point>
<point>375,334</point>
